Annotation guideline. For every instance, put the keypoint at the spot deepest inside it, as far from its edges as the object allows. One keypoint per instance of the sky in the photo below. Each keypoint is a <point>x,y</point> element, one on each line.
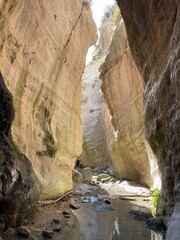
<point>98,9</point>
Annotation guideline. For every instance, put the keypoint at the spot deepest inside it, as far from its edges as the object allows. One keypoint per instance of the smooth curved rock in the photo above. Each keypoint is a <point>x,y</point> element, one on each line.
<point>43,51</point>
<point>122,88</point>
<point>140,213</point>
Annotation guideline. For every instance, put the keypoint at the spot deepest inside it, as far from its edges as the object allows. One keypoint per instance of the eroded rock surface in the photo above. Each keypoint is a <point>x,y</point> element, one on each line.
<point>122,88</point>
<point>154,36</point>
<point>43,50</point>
<point>95,152</point>
<point>19,187</point>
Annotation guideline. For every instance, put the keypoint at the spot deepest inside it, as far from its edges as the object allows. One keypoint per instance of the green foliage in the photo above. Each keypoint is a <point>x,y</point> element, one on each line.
<point>15,148</point>
<point>155,193</point>
<point>49,142</point>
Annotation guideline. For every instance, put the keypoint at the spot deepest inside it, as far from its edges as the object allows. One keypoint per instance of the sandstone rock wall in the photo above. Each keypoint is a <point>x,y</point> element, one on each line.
<point>42,55</point>
<point>122,88</point>
<point>19,187</point>
<point>94,135</point>
<point>154,37</point>
<point>95,151</point>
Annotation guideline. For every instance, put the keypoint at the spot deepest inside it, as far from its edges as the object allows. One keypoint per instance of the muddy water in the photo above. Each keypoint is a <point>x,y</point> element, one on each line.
<point>111,224</point>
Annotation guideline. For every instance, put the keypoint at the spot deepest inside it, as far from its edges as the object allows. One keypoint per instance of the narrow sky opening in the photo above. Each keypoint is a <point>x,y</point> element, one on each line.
<point>98,9</point>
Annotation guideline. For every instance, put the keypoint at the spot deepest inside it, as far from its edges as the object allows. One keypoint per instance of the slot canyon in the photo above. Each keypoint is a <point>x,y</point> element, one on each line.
<point>89,146</point>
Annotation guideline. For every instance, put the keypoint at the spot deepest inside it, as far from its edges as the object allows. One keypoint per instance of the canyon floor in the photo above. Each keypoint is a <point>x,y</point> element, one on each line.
<point>96,211</point>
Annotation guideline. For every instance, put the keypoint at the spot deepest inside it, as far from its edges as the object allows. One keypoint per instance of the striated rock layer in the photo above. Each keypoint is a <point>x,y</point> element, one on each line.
<point>122,88</point>
<point>95,152</point>
<point>42,55</point>
<point>94,134</point>
<point>19,188</point>
<point>154,37</point>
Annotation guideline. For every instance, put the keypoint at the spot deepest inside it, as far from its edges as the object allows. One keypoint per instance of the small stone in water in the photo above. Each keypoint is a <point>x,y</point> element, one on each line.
<point>85,200</point>
<point>74,206</point>
<point>57,228</point>
<point>47,233</point>
<point>67,213</point>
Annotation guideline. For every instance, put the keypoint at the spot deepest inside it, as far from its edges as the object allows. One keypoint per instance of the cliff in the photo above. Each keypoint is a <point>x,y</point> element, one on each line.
<point>19,188</point>
<point>122,90</point>
<point>154,36</point>
<point>42,56</point>
<point>95,152</point>
<point>94,134</point>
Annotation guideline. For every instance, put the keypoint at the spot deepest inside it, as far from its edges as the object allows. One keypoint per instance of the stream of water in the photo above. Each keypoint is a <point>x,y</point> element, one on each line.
<point>111,225</point>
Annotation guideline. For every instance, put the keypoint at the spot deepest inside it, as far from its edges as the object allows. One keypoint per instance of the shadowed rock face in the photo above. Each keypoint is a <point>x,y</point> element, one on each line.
<point>19,188</point>
<point>43,51</point>
<point>153,34</point>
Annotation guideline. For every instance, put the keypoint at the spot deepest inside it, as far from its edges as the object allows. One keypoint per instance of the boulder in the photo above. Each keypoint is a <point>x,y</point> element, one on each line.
<point>77,176</point>
<point>87,176</point>
<point>140,213</point>
<point>23,231</point>
<point>103,177</point>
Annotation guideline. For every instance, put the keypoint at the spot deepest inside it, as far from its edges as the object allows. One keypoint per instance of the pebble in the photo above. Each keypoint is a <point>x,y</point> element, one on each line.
<point>74,206</point>
<point>56,220</point>
<point>103,177</point>
<point>67,213</point>
<point>57,228</point>
<point>47,233</point>
<point>85,200</point>
<point>23,231</point>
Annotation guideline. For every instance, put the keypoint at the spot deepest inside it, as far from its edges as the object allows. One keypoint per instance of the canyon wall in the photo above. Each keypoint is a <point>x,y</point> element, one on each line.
<point>154,38</point>
<point>94,134</point>
<point>122,89</point>
<point>43,46</point>
<point>19,187</point>
<point>95,152</point>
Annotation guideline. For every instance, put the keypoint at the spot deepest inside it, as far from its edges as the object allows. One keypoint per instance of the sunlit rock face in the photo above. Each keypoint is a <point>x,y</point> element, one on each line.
<point>95,152</point>
<point>42,56</point>
<point>94,135</point>
<point>19,187</point>
<point>122,88</point>
<point>154,36</point>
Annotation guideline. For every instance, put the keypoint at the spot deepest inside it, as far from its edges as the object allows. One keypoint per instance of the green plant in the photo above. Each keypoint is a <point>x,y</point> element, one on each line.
<point>155,193</point>
<point>49,143</point>
<point>15,148</point>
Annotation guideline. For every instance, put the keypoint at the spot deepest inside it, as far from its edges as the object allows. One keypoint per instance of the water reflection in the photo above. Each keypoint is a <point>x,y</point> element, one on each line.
<point>111,225</point>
